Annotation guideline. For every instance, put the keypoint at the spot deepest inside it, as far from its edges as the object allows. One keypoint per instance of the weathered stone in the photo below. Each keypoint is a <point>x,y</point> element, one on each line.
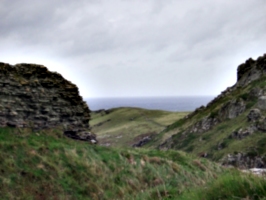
<point>79,135</point>
<point>262,103</point>
<point>255,92</point>
<point>254,115</point>
<point>11,124</point>
<point>251,70</point>
<point>244,161</point>
<point>142,142</point>
<point>32,96</point>
<point>261,125</point>
<point>204,125</point>
<point>232,109</point>
<point>242,133</point>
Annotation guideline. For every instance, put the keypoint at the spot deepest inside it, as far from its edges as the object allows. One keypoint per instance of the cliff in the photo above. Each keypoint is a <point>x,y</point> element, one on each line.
<point>231,128</point>
<point>31,96</point>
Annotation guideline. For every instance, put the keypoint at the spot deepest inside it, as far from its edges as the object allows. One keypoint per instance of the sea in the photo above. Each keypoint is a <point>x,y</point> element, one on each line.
<point>174,104</point>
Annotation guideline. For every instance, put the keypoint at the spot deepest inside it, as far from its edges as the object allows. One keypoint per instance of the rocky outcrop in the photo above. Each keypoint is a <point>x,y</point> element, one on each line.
<point>203,125</point>
<point>142,142</point>
<point>254,115</point>
<point>244,161</point>
<point>229,110</point>
<point>262,103</point>
<point>232,109</point>
<point>241,112</point>
<point>242,133</point>
<point>31,96</point>
<point>251,70</point>
<point>246,73</point>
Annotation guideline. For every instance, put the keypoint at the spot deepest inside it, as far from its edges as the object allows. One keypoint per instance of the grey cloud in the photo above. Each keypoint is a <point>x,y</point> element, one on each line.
<point>142,39</point>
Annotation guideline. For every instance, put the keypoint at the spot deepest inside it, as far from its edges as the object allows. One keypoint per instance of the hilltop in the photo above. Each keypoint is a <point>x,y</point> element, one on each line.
<point>125,127</point>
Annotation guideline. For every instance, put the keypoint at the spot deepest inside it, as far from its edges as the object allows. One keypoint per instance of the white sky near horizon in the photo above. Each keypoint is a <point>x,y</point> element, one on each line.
<point>126,48</point>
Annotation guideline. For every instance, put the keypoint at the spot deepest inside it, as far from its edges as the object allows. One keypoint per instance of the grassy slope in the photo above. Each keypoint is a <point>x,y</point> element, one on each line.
<point>123,127</point>
<point>40,165</point>
<point>208,141</point>
<point>46,165</point>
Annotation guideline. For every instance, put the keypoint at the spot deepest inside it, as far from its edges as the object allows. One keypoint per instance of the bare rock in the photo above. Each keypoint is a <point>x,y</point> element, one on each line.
<point>242,133</point>
<point>262,103</point>
<point>244,161</point>
<point>142,142</point>
<point>204,125</point>
<point>251,70</point>
<point>84,136</point>
<point>261,125</point>
<point>232,109</point>
<point>254,115</point>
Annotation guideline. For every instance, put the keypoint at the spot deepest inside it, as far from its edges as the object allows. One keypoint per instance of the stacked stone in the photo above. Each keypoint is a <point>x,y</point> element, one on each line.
<point>32,96</point>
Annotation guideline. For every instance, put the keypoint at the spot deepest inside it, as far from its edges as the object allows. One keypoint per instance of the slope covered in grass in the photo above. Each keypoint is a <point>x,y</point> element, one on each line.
<point>122,127</point>
<point>230,186</point>
<point>46,165</point>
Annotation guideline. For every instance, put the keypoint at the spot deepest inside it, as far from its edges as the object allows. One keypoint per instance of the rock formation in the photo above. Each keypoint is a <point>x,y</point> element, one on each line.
<point>31,96</point>
<point>251,70</point>
<point>232,127</point>
<point>246,73</point>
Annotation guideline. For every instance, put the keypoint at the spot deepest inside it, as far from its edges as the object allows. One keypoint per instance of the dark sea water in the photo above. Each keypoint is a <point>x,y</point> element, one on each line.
<point>154,103</point>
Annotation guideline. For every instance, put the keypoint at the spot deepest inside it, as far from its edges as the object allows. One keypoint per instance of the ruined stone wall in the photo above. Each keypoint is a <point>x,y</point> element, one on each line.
<point>32,96</point>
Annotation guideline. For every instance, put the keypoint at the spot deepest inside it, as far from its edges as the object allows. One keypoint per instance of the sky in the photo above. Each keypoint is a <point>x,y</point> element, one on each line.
<point>126,48</point>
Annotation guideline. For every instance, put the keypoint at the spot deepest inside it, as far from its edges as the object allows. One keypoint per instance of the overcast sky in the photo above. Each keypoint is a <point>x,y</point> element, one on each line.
<point>112,48</point>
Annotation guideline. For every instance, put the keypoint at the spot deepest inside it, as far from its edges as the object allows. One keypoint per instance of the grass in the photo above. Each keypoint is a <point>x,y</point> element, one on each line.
<point>46,165</point>
<point>122,127</point>
<point>230,186</point>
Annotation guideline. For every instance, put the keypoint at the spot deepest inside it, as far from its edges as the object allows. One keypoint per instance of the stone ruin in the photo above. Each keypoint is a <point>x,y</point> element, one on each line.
<point>33,97</point>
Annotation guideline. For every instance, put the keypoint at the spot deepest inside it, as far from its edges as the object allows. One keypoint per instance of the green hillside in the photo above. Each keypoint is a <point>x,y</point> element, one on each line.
<point>123,127</point>
<point>230,129</point>
<point>46,165</point>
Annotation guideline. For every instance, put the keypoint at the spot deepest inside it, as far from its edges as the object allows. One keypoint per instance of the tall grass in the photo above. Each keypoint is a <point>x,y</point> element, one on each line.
<point>231,185</point>
<point>45,165</point>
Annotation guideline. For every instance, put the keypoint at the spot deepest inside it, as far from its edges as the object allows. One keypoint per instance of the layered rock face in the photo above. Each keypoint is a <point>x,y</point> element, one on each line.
<point>251,70</point>
<point>32,96</point>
